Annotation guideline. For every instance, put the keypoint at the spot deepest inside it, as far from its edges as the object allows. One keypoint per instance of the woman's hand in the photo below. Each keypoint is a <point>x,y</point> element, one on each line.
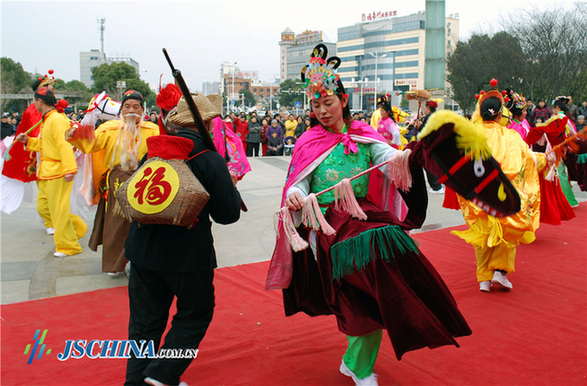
<point>234,178</point>
<point>294,201</point>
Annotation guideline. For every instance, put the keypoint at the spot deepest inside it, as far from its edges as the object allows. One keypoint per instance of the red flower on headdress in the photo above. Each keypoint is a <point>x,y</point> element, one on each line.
<point>168,97</point>
<point>493,82</point>
<point>482,92</point>
<point>477,96</point>
<point>51,72</point>
<point>504,93</point>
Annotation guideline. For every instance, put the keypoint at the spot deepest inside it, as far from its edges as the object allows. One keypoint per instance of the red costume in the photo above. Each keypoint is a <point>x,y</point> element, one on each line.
<point>22,165</point>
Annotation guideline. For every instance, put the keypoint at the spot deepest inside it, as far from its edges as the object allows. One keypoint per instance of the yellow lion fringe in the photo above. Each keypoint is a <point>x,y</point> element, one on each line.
<point>471,139</point>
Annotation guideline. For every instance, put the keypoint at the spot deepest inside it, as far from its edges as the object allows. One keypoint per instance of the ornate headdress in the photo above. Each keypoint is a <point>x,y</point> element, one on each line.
<point>501,96</point>
<point>514,101</point>
<point>564,99</point>
<point>44,81</point>
<point>385,102</point>
<point>320,75</point>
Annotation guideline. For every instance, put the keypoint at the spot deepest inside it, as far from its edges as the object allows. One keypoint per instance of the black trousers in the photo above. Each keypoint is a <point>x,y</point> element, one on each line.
<point>433,181</point>
<point>251,147</point>
<point>150,296</point>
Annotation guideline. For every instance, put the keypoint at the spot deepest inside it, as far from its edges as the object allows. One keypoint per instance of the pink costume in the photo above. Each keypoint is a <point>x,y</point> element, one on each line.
<point>389,130</point>
<point>519,128</point>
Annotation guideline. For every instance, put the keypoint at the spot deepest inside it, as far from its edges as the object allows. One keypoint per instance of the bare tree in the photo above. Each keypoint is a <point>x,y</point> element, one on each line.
<point>554,40</point>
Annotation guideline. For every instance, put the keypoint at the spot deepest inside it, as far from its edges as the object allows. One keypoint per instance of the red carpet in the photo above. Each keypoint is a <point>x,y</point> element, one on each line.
<point>533,335</point>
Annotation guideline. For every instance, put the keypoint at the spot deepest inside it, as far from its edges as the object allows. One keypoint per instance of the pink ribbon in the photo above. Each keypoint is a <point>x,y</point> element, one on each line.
<point>349,144</point>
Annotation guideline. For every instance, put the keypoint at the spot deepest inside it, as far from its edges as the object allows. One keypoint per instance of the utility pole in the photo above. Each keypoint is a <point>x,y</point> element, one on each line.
<point>102,22</point>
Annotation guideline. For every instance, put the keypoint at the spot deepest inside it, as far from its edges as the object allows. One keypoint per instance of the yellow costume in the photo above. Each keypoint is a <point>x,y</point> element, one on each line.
<point>375,119</point>
<point>106,139</point>
<point>111,230</point>
<point>495,239</point>
<point>290,128</point>
<point>53,201</point>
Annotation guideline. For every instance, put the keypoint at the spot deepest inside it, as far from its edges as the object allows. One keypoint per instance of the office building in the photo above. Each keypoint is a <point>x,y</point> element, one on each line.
<point>89,60</point>
<point>295,51</point>
<point>388,48</point>
<point>233,79</point>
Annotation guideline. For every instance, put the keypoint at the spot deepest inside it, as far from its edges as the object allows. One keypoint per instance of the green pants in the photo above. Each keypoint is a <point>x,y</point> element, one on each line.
<point>362,353</point>
<point>566,185</point>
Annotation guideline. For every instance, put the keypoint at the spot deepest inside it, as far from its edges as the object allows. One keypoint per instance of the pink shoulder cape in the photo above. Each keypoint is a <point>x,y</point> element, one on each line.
<point>310,150</point>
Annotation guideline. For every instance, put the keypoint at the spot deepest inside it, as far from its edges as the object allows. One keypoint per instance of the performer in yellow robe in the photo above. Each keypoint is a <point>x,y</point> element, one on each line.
<point>55,175</point>
<point>495,239</point>
<point>124,143</point>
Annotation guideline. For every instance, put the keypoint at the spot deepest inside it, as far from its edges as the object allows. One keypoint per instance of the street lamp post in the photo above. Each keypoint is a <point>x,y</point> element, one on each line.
<point>393,76</point>
<point>270,97</point>
<point>362,87</point>
<point>376,79</point>
<point>233,69</point>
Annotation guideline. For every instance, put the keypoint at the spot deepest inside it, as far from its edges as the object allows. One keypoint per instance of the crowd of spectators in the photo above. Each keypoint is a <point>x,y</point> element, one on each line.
<point>270,135</point>
<point>267,134</point>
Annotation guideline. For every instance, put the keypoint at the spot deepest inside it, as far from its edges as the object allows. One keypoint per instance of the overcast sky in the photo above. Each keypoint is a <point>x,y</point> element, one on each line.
<point>200,35</point>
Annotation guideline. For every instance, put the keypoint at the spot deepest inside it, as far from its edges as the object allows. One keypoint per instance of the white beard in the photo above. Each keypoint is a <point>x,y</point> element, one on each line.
<point>128,142</point>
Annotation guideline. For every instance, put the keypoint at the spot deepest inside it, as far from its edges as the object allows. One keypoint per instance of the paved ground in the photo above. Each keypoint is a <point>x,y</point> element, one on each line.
<point>29,270</point>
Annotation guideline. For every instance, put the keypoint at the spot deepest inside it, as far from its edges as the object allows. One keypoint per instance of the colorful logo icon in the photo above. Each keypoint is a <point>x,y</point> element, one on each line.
<point>38,342</point>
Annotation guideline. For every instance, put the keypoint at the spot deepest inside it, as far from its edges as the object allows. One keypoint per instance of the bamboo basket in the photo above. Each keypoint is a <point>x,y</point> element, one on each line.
<point>163,192</point>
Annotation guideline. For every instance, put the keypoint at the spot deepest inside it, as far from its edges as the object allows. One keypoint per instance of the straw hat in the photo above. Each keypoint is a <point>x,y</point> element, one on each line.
<point>216,100</point>
<point>182,116</point>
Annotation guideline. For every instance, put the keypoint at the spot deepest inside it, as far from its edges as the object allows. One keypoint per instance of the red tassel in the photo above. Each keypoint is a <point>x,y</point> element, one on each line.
<point>85,132</point>
<point>168,97</point>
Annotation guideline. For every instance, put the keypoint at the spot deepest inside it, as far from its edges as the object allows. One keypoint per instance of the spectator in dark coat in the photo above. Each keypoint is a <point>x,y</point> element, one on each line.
<point>7,128</point>
<point>275,144</point>
<point>573,110</point>
<point>530,109</point>
<point>302,127</point>
<point>582,110</point>
<point>254,137</point>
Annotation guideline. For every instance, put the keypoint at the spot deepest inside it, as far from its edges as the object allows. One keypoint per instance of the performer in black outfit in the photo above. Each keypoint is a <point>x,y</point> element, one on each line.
<point>171,261</point>
<point>430,109</point>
